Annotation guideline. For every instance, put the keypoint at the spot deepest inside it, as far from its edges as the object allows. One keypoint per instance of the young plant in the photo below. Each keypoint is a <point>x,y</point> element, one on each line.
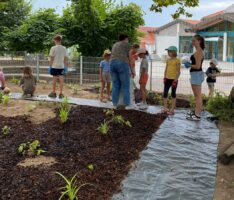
<point>22,148</point>
<point>31,108</point>
<point>63,114</point>
<point>32,148</point>
<point>6,99</point>
<point>64,110</point>
<point>70,190</point>
<point>1,97</point>
<point>90,167</point>
<point>104,128</point>
<point>109,112</point>
<point>15,80</point>
<point>6,130</point>
<point>119,119</point>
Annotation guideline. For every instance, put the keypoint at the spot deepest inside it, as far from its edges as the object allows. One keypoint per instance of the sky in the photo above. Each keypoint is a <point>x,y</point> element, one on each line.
<point>151,19</point>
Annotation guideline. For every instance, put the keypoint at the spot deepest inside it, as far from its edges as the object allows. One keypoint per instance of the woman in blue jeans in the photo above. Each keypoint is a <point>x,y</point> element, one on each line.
<point>120,70</point>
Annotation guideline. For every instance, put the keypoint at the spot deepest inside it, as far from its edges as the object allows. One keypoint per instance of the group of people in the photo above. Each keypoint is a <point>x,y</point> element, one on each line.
<point>118,70</point>
<point>118,67</point>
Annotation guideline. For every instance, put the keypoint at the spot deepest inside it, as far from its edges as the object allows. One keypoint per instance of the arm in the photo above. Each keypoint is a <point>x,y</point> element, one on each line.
<point>199,58</point>
<point>66,61</point>
<point>165,71</point>
<point>100,71</point>
<point>21,82</point>
<point>178,72</point>
<point>51,60</point>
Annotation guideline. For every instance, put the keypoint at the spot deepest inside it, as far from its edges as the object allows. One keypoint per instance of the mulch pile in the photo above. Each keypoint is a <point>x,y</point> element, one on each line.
<point>74,145</point>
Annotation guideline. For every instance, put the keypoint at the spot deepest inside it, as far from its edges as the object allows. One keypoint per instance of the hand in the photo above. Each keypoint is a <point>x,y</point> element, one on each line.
<point>164,80</point>
<point>174,84</point>
<point>187,65</point>
<point>49,69</point>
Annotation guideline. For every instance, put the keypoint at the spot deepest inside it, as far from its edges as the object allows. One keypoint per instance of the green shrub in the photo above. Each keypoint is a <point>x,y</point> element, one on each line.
<point>222,107</point>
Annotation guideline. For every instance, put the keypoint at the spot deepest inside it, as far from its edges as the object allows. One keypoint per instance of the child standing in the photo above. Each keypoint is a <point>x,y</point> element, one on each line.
<point>133,56</point>
<point>58,61</point>
<point>143,53</point>
<point>171,76</point>
<point>28,82</point>
<point>211,73</point>
<point>3,87</point>
<point>104,74</point>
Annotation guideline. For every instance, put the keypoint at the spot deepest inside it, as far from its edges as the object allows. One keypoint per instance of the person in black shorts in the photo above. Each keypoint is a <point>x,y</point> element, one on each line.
<point>58,63</point>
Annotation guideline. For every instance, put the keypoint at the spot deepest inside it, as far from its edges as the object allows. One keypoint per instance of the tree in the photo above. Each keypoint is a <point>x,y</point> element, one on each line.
<point>183,4</point>
<point>103,7</point>
<point>35,34</point>
<point>124,19</point>
<point>12,14</point>
<point>85,29</point>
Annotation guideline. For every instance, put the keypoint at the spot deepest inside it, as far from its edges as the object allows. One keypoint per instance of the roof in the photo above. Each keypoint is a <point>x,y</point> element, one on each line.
<point>213,15</point>
<point>146,29</point>
<point>193,22</point>
<point>149,37</point>
<point>185,21</point>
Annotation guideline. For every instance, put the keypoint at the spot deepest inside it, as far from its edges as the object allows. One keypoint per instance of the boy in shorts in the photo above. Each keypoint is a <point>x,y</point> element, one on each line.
<point>105,76</point>
<point>58,61</point>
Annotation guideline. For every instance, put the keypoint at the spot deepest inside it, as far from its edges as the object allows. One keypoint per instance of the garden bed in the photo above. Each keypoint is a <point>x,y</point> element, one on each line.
<point>72,147</point>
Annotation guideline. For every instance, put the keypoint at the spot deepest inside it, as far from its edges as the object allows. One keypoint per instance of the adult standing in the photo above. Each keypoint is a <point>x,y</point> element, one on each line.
<point>197,76</point>
<point>120,71</point>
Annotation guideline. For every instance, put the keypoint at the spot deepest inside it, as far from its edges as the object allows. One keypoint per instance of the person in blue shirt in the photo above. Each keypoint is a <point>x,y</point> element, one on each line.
<point>105,76</point>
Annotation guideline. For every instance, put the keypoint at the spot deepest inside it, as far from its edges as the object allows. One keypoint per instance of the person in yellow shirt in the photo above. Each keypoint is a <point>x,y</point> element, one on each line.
<point>171,76</point>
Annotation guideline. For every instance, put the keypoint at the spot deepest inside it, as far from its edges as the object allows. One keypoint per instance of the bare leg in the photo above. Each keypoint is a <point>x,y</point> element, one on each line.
<point>143,93</point>
<point>102,90</point>
<point>165,104</point>
<point>198,99</point>
<point>54,83</point>
<point>61,81</point>
<point>108,91</point>
<point>173,106</point>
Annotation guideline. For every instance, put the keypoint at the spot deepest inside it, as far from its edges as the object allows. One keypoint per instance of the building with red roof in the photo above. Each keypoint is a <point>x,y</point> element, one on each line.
<point>217,29</point>
<point>148,39</point>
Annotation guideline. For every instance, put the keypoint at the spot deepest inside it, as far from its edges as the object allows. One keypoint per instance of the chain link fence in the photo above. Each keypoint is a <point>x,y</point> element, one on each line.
<point>85,70</point>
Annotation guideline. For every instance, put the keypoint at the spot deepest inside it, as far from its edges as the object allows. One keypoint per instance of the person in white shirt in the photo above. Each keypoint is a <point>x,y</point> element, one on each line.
<point>58,62</point>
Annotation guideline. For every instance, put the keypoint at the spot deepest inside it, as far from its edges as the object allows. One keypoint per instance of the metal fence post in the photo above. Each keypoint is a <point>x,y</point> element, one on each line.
<point>151,73</point>
<point>81,70</point>
<point>37,68</point>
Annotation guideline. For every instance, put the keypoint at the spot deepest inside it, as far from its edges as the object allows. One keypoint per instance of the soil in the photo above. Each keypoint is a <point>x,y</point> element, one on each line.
<point>225,175</point>
<point>44,87</point>
<point>74,145</point>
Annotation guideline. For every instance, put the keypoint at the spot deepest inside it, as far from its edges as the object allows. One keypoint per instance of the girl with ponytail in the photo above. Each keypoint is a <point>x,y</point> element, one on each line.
<point>197,76</point>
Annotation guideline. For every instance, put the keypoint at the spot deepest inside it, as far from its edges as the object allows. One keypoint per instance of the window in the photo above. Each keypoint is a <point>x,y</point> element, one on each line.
<point>230,49</point>
<point>186,44</point>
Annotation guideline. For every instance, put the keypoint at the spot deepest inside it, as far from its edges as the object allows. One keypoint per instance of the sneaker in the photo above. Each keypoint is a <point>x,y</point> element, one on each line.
<point>143,106</point>
<point>61,96</point>
<point>139,104</point>
<point>130,107</point>
<point>52,95</point>
<point>193,117</point>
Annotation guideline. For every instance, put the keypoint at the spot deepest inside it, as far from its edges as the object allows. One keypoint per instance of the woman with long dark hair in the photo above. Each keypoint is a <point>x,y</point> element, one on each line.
<point>197,76</point>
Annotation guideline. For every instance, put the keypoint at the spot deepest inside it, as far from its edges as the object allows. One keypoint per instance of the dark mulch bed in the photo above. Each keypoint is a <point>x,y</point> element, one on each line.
<point>74,145</point>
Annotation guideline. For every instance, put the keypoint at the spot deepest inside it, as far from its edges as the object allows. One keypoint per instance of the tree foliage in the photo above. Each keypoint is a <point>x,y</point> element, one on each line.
<point>35,34</point>
<point>181,10</point>
<point>12,14</point>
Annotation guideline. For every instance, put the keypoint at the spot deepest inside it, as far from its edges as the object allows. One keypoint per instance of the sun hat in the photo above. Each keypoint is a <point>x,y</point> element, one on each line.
<point>172,48</point>
<point>106,52</point>
<point>214,61</point>
<point>141,51</point>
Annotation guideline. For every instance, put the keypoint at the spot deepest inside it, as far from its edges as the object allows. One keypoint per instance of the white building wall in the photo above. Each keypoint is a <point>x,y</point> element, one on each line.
<point>170,37</point>
<point>163,42</point>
